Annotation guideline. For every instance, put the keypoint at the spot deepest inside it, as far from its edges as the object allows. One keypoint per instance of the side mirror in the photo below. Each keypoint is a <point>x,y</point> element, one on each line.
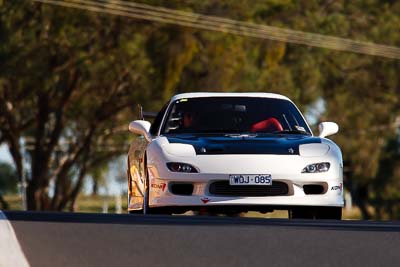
<point>327,128</point>
<point>142,128</point>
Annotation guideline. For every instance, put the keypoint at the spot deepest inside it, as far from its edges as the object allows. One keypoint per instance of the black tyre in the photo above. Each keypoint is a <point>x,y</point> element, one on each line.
<point>327,213</point>
<point>135,211</point>
<point>159,211</point>
<point>301,213</point>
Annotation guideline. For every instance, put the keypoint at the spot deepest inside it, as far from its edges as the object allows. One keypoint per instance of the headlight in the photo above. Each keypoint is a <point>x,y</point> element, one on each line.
<point>317,167</point>
<point>181,167</point>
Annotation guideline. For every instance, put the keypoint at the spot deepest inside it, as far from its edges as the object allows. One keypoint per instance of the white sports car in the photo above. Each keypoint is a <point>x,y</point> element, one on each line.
<point>231,153</point>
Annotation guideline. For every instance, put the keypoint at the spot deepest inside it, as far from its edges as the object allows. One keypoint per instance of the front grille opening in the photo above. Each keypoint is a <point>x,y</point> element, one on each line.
<point>313,189</point>
<point>223,188</point>
<point>182,189</point>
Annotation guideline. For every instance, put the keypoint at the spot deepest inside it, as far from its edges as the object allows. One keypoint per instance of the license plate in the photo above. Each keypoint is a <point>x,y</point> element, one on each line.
<point>250,179</point>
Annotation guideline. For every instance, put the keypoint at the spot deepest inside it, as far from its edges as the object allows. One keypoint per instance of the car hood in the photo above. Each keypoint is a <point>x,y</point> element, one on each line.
<point>244,144</point>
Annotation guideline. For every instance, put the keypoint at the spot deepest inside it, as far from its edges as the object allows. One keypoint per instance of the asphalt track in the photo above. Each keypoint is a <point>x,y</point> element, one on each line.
<point>79,239</point>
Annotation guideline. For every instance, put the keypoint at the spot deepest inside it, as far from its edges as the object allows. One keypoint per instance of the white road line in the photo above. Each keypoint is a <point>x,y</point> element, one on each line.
<point>11,254</point>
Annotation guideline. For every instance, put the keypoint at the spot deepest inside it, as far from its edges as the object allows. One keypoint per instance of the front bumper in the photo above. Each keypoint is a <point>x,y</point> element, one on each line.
<point>214,168</point>
<point>161,195</point>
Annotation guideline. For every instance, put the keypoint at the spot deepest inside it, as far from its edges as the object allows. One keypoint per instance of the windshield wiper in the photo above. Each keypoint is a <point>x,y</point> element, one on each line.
<point>291,132</point>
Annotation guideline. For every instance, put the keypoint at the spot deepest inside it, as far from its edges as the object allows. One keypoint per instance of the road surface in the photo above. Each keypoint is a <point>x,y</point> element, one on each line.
<point>79,239</point>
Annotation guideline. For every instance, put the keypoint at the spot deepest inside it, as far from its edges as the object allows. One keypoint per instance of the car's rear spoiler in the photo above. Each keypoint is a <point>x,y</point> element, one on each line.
<point>145,114</point>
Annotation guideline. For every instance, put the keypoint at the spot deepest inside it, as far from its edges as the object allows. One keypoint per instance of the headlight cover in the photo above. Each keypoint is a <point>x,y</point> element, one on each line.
<point>181,167</point>
<point>313,150</point>
<point>317,167</point>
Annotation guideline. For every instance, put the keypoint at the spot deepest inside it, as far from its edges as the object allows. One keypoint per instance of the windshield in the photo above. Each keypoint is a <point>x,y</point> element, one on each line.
<point>234,115</point>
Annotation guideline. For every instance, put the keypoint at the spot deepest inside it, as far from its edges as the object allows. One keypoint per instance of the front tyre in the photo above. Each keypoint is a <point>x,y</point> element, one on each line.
<point>135,211</point>
<point>326,213</point>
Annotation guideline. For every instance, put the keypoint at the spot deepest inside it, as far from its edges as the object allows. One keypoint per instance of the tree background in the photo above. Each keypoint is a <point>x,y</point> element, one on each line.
<point>70,82</point>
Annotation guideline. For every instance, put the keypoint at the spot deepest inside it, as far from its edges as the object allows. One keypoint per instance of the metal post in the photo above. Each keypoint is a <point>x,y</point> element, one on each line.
<point>118,203</point>
<point>22,191</point>
<point>23,184</point>
<point>105,205</point>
